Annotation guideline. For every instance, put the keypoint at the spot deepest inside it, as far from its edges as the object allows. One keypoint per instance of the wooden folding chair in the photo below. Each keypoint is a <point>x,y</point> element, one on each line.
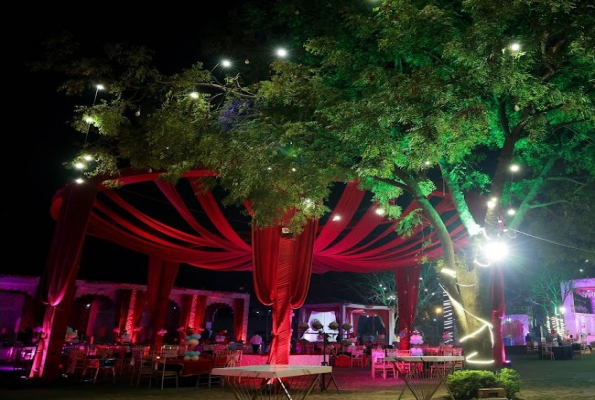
<point>547,352</point>
<point>164,370</point>
<point>357,358</point>
<point>380,365</point>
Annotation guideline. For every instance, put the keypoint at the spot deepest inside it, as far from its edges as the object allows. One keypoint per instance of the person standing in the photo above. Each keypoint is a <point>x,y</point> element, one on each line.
<point>256,342</point>
<point>207,335</point>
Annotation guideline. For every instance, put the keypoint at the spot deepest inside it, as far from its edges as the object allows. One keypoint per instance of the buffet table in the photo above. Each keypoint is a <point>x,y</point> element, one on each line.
<point>253,382</point>
<point>426,374</point>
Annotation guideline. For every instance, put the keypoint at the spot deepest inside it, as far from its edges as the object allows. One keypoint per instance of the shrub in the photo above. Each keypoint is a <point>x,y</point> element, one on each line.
<point>333,325</point>
<point>316,325</point>
<point>464,383</point>
<point>510,380</point>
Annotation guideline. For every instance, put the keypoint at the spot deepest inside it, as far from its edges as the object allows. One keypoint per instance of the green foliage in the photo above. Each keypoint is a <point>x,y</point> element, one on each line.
<point>465,383</point>
<point>510,380</point>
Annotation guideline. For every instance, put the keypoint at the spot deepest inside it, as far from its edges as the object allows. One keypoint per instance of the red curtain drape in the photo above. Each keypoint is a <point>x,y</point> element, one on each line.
<point>407,285</point>
<point>161,278</point>
<point>282,269</point>
<point>186,311</point>
<point>57,285</point>
<point>139,308</point>
<point>343,244</point>
<point>354,314</point>
<point>498,303</point>
<point>238,320</point>
<point>193,312</point>
<point>122,307</point>
<point>199,312</point>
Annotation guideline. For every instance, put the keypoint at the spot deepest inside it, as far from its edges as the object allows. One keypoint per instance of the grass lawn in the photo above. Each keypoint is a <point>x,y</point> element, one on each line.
<point>540,380</point>
<point>556,380</point>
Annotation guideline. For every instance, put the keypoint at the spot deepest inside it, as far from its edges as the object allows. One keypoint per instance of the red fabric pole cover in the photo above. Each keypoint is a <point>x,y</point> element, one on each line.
<point>161,278</point>
<point>238,320</point>
<point>199,316</point>
<point>282,269</point>
<point>407,285</point>
<point>56,287</point>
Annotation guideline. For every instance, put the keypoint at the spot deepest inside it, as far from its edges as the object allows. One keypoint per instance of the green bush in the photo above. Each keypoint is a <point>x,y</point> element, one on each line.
<point>510,380</point>
<point>464,383</point>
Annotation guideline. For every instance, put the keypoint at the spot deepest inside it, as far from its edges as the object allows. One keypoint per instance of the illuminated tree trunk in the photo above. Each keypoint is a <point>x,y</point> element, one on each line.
<point>468,289</point>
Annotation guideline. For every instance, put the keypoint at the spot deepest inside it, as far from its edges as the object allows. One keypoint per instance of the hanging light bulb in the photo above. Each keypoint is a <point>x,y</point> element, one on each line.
<point>281,52</point>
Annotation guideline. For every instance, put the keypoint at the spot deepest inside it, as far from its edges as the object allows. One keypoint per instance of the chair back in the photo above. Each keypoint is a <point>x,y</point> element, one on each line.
<point>234,358</point>
<point>107,363</point>
<point>377,356</point>
<point>167,370</point>
<point>447,351</point>
<point>219,347</point>
<point>24,359</point>
<point>380,364</point>
<point>357,358</point>
<point>457,351</point>
<point>357,353</point>
<point>547,351</point>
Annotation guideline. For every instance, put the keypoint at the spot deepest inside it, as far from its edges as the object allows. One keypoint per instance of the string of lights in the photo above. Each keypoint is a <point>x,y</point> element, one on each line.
<point>553,242</point>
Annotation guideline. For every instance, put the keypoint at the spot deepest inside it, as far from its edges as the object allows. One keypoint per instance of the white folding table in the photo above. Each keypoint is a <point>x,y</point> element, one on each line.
<point>426,374</point>
<point>273,381</point>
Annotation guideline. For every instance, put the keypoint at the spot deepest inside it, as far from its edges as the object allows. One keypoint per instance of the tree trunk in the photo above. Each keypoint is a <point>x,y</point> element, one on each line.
<point>468,288</point>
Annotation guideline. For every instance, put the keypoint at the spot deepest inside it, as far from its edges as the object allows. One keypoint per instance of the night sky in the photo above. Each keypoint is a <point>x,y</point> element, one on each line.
<point>41,139</point>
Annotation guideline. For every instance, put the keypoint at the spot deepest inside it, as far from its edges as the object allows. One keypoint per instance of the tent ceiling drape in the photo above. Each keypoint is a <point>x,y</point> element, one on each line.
<point>175,224</point>
<point>180,224</point>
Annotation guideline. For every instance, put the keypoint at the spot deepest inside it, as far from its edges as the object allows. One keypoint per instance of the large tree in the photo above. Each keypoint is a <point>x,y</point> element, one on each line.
<point>404,96</point>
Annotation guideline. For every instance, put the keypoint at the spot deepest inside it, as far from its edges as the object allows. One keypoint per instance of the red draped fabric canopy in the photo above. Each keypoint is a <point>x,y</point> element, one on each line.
<point>180,223</point>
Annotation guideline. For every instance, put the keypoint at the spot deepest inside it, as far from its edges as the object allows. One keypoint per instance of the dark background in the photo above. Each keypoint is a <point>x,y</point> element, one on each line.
<point>40,140</point>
